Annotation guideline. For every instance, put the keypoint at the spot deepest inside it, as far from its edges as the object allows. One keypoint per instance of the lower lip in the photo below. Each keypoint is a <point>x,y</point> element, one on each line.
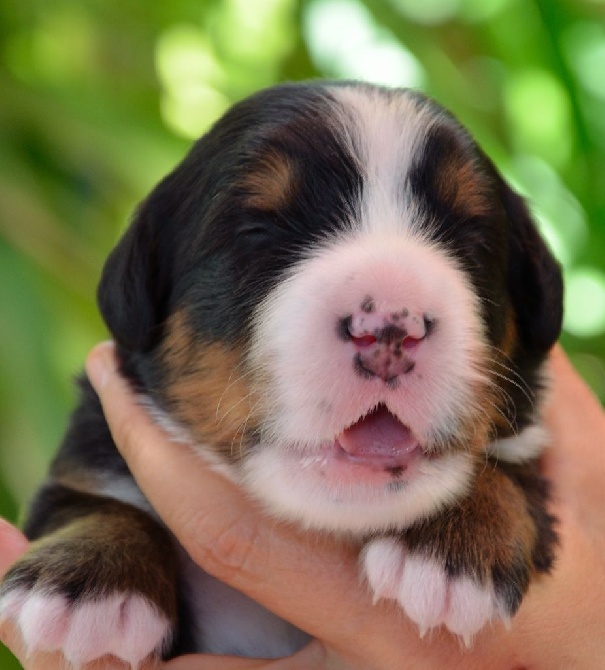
<point>377,460</point>
<point>340,467</point>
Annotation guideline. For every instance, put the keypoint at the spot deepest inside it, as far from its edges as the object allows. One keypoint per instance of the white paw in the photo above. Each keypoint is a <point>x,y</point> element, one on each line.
<point>125,625</point>
<point>427,594</point>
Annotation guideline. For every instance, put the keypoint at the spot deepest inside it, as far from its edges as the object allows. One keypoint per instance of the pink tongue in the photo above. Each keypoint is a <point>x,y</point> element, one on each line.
<point>378,435</point>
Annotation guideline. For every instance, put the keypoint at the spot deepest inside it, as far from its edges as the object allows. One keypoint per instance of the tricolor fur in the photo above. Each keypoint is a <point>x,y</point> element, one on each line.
<point>339,302</point>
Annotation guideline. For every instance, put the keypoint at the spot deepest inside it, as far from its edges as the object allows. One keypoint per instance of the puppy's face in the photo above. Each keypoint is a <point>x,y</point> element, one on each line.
<point>340,301</point>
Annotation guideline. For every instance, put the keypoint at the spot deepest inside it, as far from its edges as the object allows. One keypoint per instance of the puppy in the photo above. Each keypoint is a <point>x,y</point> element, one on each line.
<point>339,302</point>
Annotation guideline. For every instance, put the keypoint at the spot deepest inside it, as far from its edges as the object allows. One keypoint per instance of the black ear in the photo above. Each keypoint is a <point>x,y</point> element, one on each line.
<point>534,279</point>
<point>136,280</point>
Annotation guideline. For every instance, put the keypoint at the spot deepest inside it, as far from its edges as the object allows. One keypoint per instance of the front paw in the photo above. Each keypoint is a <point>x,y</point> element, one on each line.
<point>124,625</point>
<point>103,585</point>
<point>428,593</point>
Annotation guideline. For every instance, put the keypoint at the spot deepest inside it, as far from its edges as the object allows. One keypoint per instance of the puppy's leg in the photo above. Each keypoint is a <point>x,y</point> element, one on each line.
<point>473,562</point>
<point>101,579</point>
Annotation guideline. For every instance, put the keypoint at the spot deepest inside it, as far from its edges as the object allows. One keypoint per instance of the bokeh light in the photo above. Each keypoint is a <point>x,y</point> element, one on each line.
<point>429,12</point>
<point>584,44</point>
<point>191,75</point>
<point>585,302</point>
<point>363,49</point>
<point>539,114</point>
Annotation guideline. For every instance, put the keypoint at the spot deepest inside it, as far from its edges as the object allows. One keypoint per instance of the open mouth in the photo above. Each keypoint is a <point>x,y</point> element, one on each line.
<point>378,441</point>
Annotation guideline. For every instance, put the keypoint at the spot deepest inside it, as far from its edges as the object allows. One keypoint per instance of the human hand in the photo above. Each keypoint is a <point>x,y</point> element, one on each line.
<point>314,582</point>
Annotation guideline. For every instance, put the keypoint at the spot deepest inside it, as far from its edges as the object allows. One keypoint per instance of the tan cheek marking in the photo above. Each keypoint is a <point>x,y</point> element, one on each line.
<point>268,186</point>
<point>207,390</point>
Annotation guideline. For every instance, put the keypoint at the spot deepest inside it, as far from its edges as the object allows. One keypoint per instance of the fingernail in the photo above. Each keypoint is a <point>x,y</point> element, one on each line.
<point>100,364</point>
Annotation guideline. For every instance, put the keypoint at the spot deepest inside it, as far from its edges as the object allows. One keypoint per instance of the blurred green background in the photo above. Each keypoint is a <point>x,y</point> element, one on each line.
<point>100,98</point>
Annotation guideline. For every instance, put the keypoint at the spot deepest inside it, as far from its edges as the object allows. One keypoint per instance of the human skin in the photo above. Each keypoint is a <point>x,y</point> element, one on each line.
<point>313,581</point>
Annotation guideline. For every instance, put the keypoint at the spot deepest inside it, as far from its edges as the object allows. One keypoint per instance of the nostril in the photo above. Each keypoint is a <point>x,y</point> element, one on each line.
<point>365,329</point>
<point>409,342</point>
<point>364,340</point>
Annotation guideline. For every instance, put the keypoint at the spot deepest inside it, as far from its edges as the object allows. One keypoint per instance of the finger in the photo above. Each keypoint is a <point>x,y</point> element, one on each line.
<point>312,656</point>
<point>206,662</point>
<point>576,423</point>
<point>12,544</point>
<point>572,404</point>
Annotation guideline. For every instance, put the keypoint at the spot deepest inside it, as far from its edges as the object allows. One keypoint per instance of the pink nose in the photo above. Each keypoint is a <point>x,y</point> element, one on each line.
<point>385,343</point>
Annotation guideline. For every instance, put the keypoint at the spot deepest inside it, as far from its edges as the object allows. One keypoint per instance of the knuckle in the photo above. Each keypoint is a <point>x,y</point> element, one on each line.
<point>231,549</point>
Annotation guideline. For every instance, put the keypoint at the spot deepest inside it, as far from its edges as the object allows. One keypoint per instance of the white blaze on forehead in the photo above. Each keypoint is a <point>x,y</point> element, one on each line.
<point>385,134</point>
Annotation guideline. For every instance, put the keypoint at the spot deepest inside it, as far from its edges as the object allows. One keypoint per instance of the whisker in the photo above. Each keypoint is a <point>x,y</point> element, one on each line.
<point>505,399</point>
<point>230,383</point>
<point>242,430</point>
<point>512,368</point>
<point>234,406</point>
<point>515,375</point>
<point>530,397</point>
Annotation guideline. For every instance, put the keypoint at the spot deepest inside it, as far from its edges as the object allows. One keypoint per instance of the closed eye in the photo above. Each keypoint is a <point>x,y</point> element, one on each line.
<point>253,230</point>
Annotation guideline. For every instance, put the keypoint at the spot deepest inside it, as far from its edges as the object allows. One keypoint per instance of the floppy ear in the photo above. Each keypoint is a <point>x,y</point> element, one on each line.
<point>135,284</point>
<point>534,278</point>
